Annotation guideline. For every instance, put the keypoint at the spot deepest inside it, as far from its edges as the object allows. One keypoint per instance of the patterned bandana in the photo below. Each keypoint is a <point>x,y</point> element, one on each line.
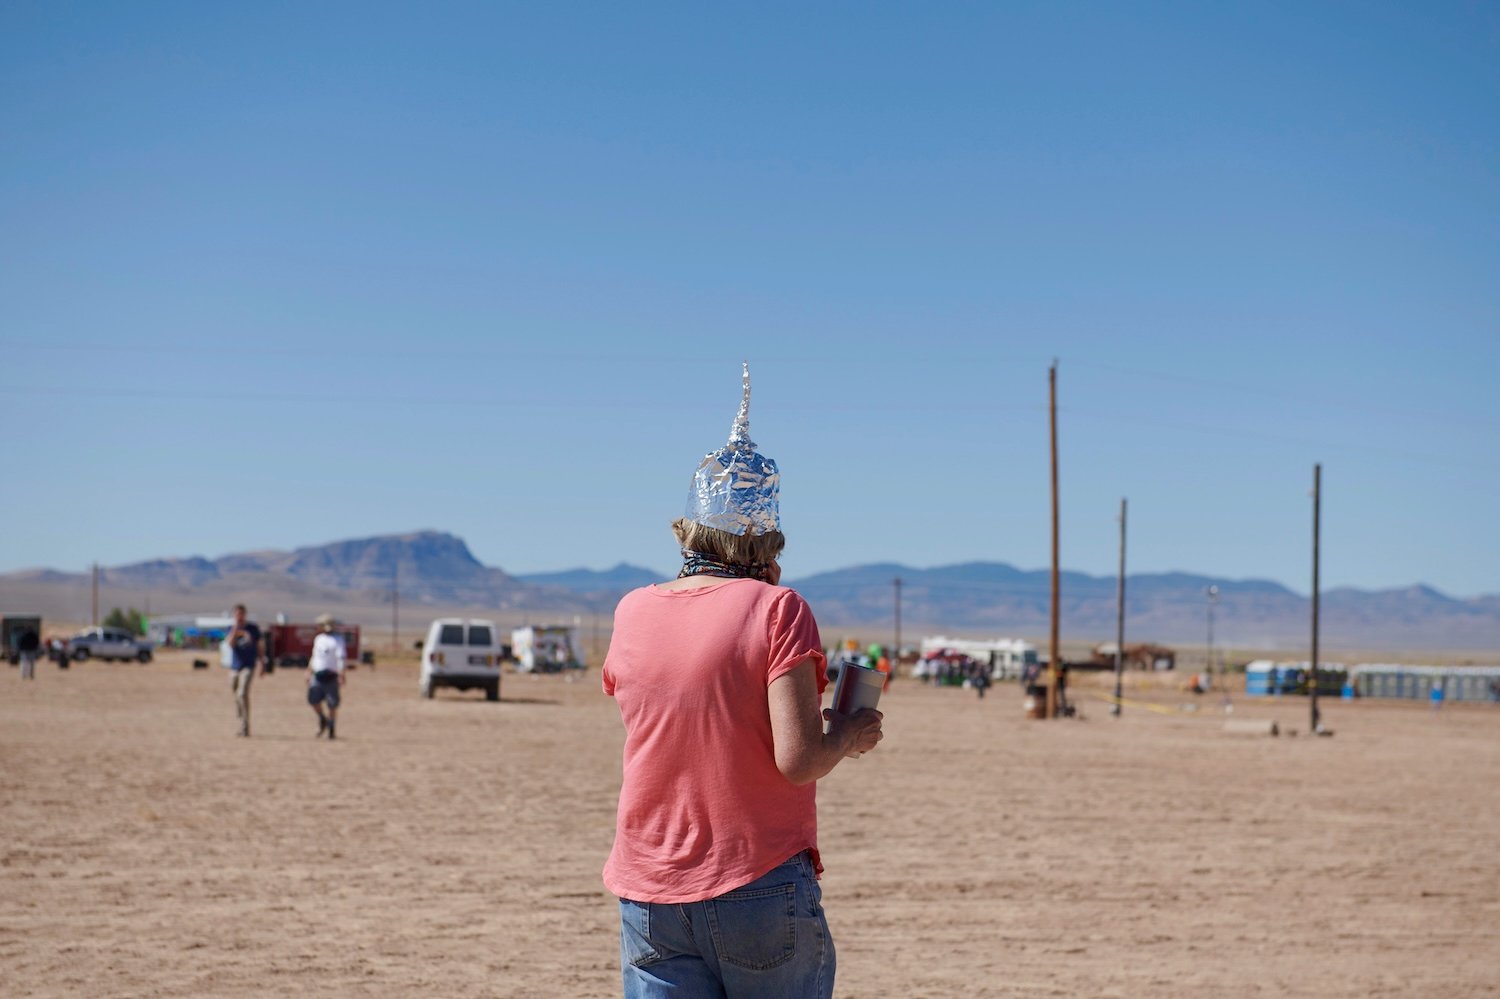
<point>699,564</point>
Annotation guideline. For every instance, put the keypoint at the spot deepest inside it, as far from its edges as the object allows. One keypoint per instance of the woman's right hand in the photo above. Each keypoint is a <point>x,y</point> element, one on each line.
<point>862,729</point>
<point>804,751</point>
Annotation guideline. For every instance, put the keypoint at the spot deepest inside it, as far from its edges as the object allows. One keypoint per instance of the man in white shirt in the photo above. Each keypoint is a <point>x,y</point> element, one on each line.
<point>325,674</point>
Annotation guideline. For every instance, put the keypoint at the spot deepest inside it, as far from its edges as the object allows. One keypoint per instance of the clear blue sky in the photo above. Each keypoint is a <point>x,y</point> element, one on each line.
<point>277,274</point>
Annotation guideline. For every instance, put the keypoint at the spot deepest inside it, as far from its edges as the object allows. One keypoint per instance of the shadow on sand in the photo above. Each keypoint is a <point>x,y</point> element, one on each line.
<point>481,702</point>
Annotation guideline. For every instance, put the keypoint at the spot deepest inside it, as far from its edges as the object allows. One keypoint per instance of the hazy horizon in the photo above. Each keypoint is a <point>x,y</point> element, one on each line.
<point>618,563</point>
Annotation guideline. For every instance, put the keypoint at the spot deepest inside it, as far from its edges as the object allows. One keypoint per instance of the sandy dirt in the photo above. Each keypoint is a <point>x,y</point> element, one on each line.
<point>452,847</point>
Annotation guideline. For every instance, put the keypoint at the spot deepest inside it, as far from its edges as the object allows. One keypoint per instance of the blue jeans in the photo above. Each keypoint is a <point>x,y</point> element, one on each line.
<point>324,687</point>
<point>769,939</point>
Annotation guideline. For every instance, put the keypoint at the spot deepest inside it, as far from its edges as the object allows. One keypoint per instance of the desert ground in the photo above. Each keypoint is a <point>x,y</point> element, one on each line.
<point>452,847</point>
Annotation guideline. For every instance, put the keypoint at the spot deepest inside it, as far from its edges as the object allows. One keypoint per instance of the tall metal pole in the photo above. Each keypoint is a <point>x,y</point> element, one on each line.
<point>896,655</point>
<point>1055,661</point>
<point>1314,722</point>
<point>94,620</point>
<point>1222,679</point>
<point>396,606</point>
<point>1115,708</point>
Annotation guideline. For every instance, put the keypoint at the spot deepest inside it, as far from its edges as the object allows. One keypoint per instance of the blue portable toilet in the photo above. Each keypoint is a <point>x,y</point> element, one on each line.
<point>1258,678</point>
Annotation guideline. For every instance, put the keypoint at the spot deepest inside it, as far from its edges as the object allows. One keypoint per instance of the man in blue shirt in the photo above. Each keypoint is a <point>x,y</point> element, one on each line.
<point>244,644</point>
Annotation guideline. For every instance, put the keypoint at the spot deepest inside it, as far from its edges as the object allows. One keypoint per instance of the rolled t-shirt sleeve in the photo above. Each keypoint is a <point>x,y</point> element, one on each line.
<point>794,637</point>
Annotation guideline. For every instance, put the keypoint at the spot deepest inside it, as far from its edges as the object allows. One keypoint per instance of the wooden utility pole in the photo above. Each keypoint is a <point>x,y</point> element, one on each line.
<point>1055,661</point>
<point>896,653</point>
<point>1312,690</point>
<point>94,620</point>
<point>1213,599</point>
<point>396,606</point>
<point>1120,620</point>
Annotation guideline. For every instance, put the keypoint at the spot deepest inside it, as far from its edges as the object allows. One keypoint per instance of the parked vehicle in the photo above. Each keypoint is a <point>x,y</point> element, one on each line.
<point>463,654</point>
<point>291,644</point>
<point>1007,658</point>
<point>109,643</point>
<point>546,648</point>
<point>1143,655</point>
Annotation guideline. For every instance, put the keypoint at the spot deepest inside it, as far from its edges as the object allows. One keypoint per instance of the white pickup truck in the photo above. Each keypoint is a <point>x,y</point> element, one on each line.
<point>109,643</point>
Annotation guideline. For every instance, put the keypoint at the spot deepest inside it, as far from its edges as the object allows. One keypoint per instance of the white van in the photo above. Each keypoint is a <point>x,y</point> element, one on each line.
<point>463,654</point>
<point>546,648</point>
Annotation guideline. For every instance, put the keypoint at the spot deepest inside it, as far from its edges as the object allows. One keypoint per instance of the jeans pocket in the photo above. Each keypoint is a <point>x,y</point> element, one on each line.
<point>756,928</point>
<point>635,934</point>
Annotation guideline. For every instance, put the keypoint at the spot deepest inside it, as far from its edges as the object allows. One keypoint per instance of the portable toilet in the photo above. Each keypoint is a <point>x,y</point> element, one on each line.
<point>1259,676</point>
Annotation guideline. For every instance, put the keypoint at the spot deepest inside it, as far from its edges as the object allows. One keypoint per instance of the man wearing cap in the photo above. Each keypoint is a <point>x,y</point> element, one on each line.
<point>325,674</point>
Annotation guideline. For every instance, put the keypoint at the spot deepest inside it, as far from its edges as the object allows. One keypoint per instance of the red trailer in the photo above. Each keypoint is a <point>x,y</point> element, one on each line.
<point>291,644</point>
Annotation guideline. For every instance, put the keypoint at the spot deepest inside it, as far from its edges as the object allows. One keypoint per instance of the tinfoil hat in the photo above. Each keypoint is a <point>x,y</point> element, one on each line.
<point>735,488</point>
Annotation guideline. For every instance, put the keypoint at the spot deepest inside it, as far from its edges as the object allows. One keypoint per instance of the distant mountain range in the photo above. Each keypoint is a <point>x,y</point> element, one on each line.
<point>437,569</point>
<point>994,598</point>
<point>425,567</point>
<point>611,582</point>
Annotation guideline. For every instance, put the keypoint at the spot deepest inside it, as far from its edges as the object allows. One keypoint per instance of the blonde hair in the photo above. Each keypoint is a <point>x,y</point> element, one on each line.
<point>736,549</point>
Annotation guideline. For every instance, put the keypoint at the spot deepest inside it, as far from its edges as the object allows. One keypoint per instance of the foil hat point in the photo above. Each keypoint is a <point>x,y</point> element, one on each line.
<point>739,434</point>
<point>736,488</point>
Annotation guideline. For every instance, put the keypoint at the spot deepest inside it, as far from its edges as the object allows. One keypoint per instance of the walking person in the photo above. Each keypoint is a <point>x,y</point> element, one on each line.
<point>325,675</point>
<point>244,647</point>
<point>718,676</point>
<point>980,677</point>
<point>27,644</point>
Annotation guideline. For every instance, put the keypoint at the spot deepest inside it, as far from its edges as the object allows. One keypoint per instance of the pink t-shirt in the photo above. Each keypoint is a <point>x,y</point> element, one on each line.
<point>703,809</point>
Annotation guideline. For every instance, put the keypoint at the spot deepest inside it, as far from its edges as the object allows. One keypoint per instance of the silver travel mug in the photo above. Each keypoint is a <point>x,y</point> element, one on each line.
<point>857,687</point>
